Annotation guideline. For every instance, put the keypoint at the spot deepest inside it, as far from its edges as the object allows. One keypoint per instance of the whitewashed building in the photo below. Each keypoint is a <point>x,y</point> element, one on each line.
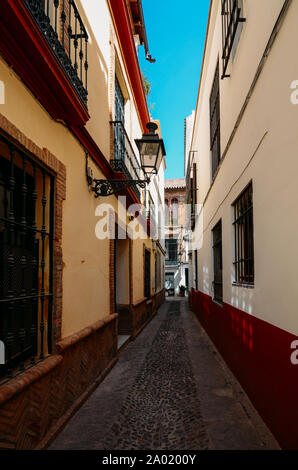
<point>242,174</point>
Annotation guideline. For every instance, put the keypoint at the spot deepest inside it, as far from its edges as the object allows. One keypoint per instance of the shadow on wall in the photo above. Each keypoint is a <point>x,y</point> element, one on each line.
<point>98,88</point>
<point>177,280</point>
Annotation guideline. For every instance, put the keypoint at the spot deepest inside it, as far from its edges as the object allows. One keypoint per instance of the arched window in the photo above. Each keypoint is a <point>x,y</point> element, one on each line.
<point>174,212</point>
<point>167,213</point>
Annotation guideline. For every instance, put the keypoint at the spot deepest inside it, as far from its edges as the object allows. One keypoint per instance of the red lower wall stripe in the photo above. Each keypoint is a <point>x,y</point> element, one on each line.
<point>259,354</point>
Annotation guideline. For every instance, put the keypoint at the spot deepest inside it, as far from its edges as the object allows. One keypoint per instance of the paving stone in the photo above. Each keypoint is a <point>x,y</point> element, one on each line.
<point>170,390</point>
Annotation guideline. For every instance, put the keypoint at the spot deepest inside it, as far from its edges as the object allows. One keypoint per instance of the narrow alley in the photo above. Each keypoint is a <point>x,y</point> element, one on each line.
<point>170,390</point>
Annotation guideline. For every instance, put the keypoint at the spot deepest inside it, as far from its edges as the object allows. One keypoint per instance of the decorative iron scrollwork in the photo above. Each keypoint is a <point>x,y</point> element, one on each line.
<point>73,62</point>
<point>109,187</point>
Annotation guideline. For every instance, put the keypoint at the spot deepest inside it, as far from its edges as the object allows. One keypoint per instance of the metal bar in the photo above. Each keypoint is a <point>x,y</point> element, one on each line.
<point>42,291</point>
<point>11,262</point>
<point>27,297</point>
<point>69,29</point>
<point>86,63</point>
<point>230,20</point>
<point>51,262</point>
<point>81,55</point>
<point>34,262</point>
<point>23,263</point>
<point>18,224</point>
<point>76,43</point>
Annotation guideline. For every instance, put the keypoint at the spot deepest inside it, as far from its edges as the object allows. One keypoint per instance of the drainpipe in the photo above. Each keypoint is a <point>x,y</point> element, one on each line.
<point>148,55</point>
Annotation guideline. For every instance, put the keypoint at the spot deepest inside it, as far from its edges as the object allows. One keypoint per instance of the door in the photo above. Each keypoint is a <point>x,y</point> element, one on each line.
<point>147,274</point>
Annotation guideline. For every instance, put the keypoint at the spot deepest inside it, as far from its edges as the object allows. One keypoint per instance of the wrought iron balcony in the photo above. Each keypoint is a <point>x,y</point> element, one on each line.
<point>63,28</point>
<point>125,160</point>
<point>171,262</point>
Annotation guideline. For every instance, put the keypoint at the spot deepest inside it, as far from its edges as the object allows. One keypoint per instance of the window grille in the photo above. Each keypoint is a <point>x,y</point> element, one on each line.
<point>171,251</point>
<point>231,11</point>
<point>26,252</point>
<point>119,118</point>
<point>215,122</point>
<point>244,239</point>
<point>217,262</point>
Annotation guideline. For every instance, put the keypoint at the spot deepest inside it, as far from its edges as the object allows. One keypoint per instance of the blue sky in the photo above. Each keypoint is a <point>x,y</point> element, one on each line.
<point>176,35</point>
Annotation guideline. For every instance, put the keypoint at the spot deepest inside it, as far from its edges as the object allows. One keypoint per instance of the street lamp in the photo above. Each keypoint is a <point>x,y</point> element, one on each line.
<point>152,151</point>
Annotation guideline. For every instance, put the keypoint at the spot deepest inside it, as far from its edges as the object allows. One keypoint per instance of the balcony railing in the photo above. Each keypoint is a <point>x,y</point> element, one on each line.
<point>125,160</point>
<point>171,262</point>
<point>63,28</point>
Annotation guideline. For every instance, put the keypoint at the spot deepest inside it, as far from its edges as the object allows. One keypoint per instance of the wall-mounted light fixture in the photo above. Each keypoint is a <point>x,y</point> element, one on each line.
<point>152,151</point>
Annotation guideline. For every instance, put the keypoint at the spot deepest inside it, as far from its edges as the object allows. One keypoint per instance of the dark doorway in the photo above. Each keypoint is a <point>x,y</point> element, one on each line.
<point>147,274</point>
<point>187,279</point>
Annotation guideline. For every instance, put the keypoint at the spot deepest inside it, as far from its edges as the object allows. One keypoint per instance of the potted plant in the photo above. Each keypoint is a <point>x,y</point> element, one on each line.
<point>182,290</point>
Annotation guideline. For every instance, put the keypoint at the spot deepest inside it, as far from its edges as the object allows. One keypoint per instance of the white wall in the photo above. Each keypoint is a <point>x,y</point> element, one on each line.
<point>263,150</point>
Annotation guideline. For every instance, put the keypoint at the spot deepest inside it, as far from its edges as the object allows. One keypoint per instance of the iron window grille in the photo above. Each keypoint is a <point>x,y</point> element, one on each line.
<point>26,251</point>
<point>244,238</point>
<point>193,194</point>
<point>231,12</point>
<point>64,30</point>
<point>171,251</point>
<point>215,122</point>
<point>217,262</point>
<point>125,160</point>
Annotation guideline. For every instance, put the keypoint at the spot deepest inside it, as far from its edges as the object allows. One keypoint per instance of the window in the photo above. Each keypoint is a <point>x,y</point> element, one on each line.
<point>238,33</point>
<point>244,240</point>
<point>231,11</point>
<point>171,251</point>
<point>215,123</point>
<point>175,219</point>
<point>119,122</point>
<point>193,194</point>
<point>26,253</point>
<point>217,262</point>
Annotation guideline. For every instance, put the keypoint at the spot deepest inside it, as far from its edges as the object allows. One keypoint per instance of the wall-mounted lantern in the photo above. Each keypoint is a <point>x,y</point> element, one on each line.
<point>152,151</point>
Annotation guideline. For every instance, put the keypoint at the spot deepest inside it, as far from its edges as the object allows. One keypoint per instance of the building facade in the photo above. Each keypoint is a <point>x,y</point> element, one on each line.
<point>72,105</point>
<point>176,261</point>
<point>242,178</point>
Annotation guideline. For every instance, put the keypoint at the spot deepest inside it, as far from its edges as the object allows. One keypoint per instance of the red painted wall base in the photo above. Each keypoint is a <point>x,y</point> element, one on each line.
<point>258,353</point>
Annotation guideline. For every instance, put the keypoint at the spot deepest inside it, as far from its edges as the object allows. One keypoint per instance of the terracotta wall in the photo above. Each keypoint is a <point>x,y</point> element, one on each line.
<point>35,405</point>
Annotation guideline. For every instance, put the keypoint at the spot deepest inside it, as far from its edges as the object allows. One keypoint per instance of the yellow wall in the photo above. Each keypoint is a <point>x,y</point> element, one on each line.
<point>86,259</point>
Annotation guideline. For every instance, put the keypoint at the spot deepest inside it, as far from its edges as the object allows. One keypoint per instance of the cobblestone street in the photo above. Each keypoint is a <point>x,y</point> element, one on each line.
<point>170,390</point>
